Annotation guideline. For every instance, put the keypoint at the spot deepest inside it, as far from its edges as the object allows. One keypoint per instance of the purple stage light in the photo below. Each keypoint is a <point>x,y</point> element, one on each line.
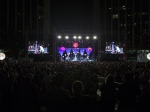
<point>62,48</point>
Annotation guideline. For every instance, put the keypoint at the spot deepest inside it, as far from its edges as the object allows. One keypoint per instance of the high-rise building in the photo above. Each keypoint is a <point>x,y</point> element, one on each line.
<point>22,21</point>
<point>127,21</point>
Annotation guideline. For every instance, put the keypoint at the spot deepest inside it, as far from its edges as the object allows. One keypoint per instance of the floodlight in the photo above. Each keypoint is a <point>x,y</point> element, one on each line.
<point>67,37</point>
<point>2,56</point>
<point>95,37</point>
<point>79,37</point>
<point>148,56</point>
<point>87,37</point>
<point>59,37</point>
<point>74,37</point>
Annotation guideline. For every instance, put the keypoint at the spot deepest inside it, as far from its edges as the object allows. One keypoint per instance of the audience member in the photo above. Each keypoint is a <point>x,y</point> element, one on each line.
<point>108,95</point>
<point>127,94</point>
<point>143,103</point>
<point>27,95</point>
<point>56,99</point>
<point>80,102</point>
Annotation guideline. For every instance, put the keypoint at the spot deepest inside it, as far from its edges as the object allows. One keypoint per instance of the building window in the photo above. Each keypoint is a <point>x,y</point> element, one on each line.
<point>115,16</point>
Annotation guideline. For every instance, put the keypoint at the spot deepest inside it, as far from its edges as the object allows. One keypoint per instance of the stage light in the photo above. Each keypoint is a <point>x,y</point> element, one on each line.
<point>95,37</point>
<point>67,37</point>
<point>148,56</point>
<point>62,48</point>
<point>79,37</point>
<point>87,37</point>
<point>75,44</point>
<point>74,37</point>
<point>2,56</point>
<point>59,37</point>
<point>89,49</point>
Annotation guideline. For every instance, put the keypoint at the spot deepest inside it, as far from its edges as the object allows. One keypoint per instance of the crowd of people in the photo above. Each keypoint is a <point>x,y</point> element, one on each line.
<point>74,87</point>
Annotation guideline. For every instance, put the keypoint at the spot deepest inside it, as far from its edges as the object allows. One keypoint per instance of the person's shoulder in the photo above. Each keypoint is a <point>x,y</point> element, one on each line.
<point>104,85</point>
<point>34,85</point>
<point>87,97</point>
<point>66,92</point>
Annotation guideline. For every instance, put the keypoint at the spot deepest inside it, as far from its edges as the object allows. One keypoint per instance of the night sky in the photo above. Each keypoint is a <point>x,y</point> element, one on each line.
<point>71,14</point>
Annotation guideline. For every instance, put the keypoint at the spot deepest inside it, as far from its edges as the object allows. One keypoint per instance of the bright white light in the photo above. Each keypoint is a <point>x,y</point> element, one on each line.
<point>87,37</point>
<point>74,37</point>
<point>79,37</point>
<point>67,37</point>
<point>59,37</point>
<point>148,56</point>
<point>2,56</point>
<point>95,37</point>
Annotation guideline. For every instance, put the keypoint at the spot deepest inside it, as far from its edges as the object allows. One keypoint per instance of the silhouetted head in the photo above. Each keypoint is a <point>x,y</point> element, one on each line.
<point>110,79</point>
<point>128,76</point>
<point>77,87</point>
<point>59,79</point>
<point>29,76</point>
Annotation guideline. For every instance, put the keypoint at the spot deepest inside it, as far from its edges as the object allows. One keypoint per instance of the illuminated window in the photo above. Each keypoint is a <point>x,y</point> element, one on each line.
<point>115,16</point>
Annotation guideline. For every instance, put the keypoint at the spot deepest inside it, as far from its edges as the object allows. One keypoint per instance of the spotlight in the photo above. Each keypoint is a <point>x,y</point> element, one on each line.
<point>59,37</point>
<point>87,37</point>
<point>67,37</point>
<point>79,37</point>
<point>95,37</point>
<point>74,37</point>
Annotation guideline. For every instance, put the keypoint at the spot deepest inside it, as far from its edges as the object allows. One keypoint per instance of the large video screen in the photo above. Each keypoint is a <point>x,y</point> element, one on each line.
<point>114,48</point>
<point>37,47</point>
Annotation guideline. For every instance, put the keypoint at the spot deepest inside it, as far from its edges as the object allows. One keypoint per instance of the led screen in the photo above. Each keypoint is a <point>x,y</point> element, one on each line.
<point>37,47</point>
<point>114,48</point>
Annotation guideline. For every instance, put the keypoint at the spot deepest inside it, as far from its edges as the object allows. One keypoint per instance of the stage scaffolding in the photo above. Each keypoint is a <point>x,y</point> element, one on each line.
<point>77,33</point>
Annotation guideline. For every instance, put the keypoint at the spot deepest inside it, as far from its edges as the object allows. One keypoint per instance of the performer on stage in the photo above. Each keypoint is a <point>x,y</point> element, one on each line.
<point>41,50</point>
<point>117,49</point>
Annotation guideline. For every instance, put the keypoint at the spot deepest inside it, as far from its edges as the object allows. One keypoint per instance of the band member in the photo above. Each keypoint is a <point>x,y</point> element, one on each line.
<point>117,49</point>
<point>41,50</point>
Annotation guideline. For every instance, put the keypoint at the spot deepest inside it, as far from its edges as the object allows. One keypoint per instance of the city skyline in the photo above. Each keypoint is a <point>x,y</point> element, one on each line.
<point>112,20</point>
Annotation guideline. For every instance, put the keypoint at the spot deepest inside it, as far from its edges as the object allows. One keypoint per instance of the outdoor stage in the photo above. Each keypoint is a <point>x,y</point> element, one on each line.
<point>75,54</point>
<point>79,47</point>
